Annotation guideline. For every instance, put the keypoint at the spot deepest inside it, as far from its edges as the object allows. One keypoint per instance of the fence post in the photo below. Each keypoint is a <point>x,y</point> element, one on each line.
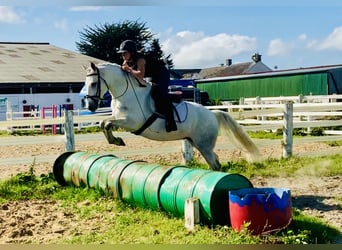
<point>9,111</point>
<point>187,152</point>
<point>288,130</point>
<point>69,130</point>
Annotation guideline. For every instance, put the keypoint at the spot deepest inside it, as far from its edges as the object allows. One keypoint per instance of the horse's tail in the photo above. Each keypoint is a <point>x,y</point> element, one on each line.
<point>233,130</point>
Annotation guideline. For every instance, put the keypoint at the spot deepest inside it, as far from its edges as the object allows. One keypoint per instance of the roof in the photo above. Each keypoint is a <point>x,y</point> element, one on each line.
<point>316,69</point>
<point>41,63</point>
<point>231,70</point>
<point>184,73</point>
<point>228,69</point>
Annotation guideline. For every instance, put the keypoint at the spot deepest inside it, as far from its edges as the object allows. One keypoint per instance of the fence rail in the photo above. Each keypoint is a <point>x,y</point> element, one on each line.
<point>295,99</point>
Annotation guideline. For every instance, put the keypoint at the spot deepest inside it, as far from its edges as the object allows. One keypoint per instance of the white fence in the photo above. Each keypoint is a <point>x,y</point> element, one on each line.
<point>265,114</point>
<point>255,114</point>
<point>33,120</point>
<point>268,113</point>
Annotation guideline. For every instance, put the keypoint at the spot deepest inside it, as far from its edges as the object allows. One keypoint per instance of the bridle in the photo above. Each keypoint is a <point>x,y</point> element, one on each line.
<point>97,95</point>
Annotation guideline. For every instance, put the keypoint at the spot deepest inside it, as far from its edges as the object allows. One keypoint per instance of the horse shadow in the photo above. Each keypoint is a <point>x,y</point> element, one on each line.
<point>313,202</point>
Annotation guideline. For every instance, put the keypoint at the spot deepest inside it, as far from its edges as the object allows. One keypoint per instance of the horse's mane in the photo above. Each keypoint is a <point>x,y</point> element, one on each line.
<point>108,63</point>
<point>104,64</point>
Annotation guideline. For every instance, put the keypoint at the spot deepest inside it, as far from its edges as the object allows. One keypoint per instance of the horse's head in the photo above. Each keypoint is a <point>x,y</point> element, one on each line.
<point>96,87</point>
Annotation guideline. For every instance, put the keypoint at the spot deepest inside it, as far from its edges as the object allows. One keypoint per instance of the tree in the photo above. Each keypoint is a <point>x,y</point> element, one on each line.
<point>102,41</point>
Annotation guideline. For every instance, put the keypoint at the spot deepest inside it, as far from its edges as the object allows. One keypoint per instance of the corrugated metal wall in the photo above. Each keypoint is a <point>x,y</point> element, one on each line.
<point>334,81</point>
<point>286,85</point>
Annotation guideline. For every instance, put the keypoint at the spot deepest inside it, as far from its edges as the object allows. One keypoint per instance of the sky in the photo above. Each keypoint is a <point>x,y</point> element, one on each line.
<point>196,33</point>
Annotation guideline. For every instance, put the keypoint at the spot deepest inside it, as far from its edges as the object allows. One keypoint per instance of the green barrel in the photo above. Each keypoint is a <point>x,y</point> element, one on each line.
<point>186,186</point>
<point>81,164</point>
<point>99,170</point>
<point>71,167</point>
<point>126,180</point>
<point>104,181</point>
<point>145,185</point>
<point>153,184</point>
<point>138,184</point>
<point>77,165</point>
<point>212,190</point>
<point>58,168</point>
<point>114,176</point>
<point>168,189</point>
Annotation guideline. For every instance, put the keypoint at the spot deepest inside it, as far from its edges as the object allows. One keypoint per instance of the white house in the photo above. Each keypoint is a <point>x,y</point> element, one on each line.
<point>40,75</point>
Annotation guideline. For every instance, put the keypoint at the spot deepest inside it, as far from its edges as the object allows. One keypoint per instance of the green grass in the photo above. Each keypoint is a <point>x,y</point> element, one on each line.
<point>294,166</point>
<point>111,221</point>
<point>278,134</point>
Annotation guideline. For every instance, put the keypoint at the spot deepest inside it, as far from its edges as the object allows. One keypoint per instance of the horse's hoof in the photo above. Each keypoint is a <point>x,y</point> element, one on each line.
<point>120,142</point>
<point>117,141</point>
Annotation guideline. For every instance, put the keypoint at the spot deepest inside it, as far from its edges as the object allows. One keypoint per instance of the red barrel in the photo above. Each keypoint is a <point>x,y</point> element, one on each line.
<point>265,209</point>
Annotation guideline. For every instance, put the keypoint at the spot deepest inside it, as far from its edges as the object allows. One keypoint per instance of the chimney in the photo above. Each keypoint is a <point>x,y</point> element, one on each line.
<point>256,57</point>
<point>228,62</point>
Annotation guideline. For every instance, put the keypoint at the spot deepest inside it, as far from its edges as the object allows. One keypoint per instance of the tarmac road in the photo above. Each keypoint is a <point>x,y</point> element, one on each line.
<point>27,140</point>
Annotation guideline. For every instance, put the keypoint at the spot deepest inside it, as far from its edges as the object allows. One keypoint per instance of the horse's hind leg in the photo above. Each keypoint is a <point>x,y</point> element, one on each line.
<point>212,159</point>
<point>207,151</point>
<point>107,127</point>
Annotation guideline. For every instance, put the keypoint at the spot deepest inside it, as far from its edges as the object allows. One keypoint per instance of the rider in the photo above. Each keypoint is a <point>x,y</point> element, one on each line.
<point>134,63</point>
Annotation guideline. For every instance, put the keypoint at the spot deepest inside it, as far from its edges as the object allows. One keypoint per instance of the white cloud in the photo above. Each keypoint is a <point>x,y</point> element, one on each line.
<point>7,15</point>
<point>332,41</point>
<point>195,49</point>
<point>277,47</point>
<point>61,24</point>
<point>302,37</point>
<point>85,8</point>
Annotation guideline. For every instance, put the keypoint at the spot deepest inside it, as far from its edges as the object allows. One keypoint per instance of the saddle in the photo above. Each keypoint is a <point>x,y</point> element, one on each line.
<point>180,112</point>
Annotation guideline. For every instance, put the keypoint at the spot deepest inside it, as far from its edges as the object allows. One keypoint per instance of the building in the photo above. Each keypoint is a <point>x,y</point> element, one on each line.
<point>320,80</point>
<point>228,69</point>
<point>37,75</point>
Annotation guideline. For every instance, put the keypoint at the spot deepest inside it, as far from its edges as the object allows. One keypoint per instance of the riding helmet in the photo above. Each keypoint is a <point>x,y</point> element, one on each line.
<point>128,46</point>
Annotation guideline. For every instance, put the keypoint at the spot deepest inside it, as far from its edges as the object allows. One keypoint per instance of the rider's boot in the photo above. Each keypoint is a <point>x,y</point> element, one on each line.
<point>170,123</point>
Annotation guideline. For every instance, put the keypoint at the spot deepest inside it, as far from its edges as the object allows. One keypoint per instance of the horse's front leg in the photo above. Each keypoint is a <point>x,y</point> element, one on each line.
<point>107,128</point>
